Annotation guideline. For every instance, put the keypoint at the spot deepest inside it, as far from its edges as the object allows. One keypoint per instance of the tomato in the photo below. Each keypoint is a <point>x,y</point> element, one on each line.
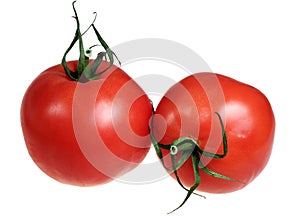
<point>218,116</point>
<point>85,133</point>
<point>86,122</point>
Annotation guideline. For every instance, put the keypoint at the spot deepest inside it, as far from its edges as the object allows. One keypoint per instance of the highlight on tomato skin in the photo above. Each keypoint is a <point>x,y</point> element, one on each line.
<point>188,110</point>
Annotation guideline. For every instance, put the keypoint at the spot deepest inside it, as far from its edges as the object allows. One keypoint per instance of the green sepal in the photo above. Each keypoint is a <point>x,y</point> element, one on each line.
<point>108,51</point>
<point>195,161</point>
<point>84,72</point>
<point>224,142</point>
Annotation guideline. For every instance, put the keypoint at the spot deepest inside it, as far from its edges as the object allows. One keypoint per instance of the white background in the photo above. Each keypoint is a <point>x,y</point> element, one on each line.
<point>257,42</point>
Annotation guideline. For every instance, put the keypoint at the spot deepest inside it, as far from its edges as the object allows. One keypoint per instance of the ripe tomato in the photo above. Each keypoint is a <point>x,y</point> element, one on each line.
<point>196,108</point>
<point>85,133</point>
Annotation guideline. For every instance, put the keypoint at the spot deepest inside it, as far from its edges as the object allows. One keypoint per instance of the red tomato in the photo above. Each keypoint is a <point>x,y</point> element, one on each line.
<point>189,108</point>
<point>85,133</point>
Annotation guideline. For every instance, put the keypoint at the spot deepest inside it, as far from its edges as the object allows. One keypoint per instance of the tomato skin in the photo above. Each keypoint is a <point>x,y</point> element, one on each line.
<point>70,127</point>
<point>188,110</point>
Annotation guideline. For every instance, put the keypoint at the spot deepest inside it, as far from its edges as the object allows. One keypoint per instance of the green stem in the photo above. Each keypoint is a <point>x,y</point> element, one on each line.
<point>90,24</point>
<point>75,75</point>
<point>84,72</point>
<point>190,148</point>
<point>195,161</point>
<point>183,144</point>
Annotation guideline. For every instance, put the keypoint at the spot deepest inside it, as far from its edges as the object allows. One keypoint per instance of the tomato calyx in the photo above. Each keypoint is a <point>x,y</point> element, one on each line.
<point>85,71</point>
<point>188,147</point>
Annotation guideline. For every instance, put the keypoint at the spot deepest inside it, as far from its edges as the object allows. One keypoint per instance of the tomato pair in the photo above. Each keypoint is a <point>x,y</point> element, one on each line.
<point>87,122</point>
